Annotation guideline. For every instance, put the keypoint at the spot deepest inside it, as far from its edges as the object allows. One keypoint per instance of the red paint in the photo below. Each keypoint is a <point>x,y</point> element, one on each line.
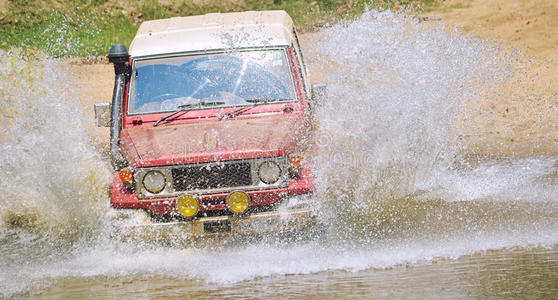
<point>296,75</point>
<point>246,137</point>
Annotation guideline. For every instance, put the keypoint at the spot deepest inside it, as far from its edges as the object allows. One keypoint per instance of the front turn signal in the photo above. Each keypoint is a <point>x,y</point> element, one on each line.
<point>126,175</point>
<point>295,164</point>
<point>295,161</point>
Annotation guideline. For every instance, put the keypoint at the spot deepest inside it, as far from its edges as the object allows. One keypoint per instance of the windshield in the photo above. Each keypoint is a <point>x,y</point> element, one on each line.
<point>209,80</point>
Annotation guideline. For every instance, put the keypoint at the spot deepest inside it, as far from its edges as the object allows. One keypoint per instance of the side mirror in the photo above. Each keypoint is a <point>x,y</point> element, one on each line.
<point>102,114</point>
<point>319,91</point>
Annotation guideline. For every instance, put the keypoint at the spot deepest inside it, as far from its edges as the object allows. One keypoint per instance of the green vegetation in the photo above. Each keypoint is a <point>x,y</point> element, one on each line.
<point>89,27</point>
<point>449,7</point>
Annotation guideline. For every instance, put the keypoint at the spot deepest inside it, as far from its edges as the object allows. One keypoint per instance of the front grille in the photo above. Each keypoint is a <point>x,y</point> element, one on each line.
<point>211,176</point>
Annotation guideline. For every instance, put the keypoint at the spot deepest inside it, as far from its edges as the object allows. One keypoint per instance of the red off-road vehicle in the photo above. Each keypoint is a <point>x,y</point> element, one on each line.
<point>209,122</point>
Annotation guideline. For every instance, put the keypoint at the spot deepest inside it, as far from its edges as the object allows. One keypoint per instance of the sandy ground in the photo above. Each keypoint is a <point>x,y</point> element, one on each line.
<point>530,25</point>
<point>93,83</point>
<point>520,119</point>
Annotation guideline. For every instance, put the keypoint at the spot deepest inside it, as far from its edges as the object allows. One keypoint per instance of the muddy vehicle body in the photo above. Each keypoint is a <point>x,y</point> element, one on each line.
<point>209,121</point>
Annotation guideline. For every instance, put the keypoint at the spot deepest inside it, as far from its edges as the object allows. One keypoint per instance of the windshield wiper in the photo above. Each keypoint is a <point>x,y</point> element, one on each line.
<point>255,102</point>
<point>244,108</point>
<point>181,108</point>
<point>266,101</point>
<point>186,107</point>
<point>232,112</point>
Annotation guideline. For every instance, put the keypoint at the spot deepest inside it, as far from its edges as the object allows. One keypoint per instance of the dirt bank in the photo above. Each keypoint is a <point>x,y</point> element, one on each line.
<point>93,83</point>
<point>529,25</point>
<point>519,118</point>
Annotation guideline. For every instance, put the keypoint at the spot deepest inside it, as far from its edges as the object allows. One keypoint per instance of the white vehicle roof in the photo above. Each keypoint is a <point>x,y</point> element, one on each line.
<point>213,31</point>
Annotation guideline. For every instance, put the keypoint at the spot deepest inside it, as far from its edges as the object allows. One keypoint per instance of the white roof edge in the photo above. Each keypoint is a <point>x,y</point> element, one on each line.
<point>213,31</point>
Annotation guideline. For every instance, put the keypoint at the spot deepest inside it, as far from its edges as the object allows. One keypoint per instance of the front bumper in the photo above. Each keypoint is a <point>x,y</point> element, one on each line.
<point>257,223</point>
<point>124,198</point>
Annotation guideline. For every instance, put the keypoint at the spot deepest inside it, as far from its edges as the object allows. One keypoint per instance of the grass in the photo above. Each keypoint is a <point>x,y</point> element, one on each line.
<point>442,7</point>
<point>81,28</point>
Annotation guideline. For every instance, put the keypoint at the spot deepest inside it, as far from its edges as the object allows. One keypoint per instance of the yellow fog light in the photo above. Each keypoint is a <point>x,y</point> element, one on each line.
<point>187,206</point>
<point>238,202</point>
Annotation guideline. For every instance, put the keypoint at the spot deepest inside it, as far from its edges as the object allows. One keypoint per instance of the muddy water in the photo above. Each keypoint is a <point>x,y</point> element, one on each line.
<point>518,273</point>
<point>404,209</point>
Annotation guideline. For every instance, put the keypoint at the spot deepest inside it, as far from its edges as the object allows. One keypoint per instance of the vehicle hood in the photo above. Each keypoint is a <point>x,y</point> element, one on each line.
<point>212,140</point>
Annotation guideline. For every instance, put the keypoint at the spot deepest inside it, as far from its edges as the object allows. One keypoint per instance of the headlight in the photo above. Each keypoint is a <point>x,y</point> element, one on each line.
<point>154,181</point>
<point>269,172</point>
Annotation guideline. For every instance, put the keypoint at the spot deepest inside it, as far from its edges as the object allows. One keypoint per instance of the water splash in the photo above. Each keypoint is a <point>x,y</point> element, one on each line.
<point>53,183</point>
<point>391,178</point>
<point>396,89</point>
